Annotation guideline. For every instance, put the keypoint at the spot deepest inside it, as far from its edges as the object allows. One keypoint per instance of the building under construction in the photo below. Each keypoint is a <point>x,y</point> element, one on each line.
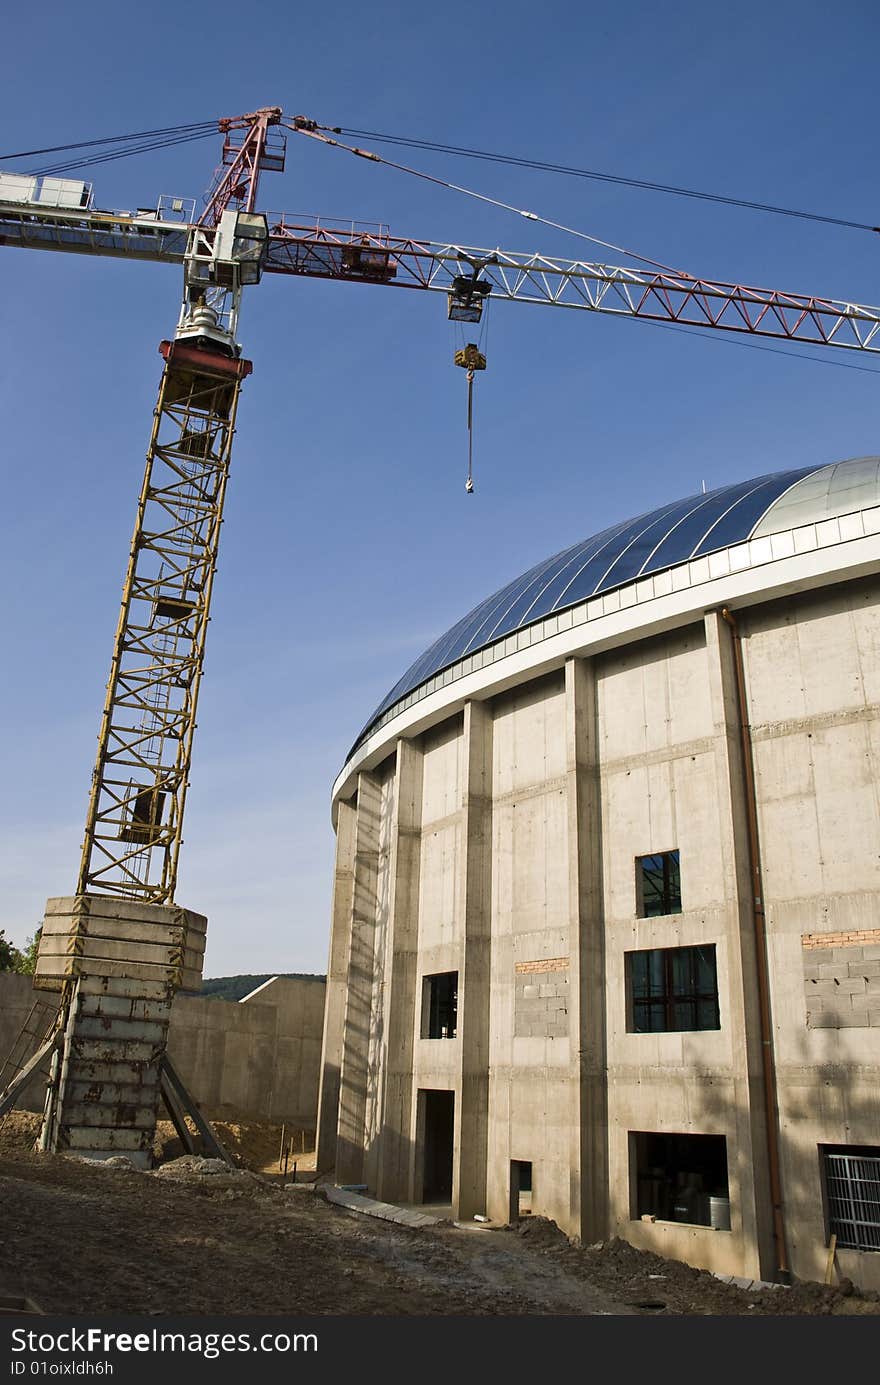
<point>605,938</point>
<point>606,924</point>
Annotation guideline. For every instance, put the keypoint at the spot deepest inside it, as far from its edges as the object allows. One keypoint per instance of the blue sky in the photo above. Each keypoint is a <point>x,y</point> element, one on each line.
<point>349,542</point>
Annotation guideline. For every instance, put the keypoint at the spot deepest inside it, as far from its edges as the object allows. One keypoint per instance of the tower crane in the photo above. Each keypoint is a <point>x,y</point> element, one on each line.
<point>119,948</point>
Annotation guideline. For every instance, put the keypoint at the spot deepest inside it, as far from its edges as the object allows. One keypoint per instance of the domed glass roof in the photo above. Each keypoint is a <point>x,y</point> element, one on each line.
<point>656,540</point>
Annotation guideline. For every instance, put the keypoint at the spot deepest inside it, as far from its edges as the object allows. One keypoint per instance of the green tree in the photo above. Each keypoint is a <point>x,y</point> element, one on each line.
<point>13,958</point>
<point>10,957</point>
<point>28,958</point>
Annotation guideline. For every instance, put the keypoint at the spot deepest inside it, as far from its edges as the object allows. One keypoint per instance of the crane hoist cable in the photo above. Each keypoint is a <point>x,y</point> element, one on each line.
<point>470,358</point>
<point>314,130</point>
<point>208,125</point>
<point>373,157</point>
<point>91,161</point>
<point>544,166</point>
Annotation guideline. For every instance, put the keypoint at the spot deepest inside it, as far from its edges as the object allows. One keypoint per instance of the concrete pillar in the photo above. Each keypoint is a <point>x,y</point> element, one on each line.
<point>337,985</point>
<point>589,1082</point>
<point>748,1160</point>
<point>475,911</point>
<point>395,1151</point>
<point>354,1068</point>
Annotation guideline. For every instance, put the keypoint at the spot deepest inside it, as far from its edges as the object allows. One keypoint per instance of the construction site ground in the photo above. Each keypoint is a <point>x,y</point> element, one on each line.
<point>79,1237</point>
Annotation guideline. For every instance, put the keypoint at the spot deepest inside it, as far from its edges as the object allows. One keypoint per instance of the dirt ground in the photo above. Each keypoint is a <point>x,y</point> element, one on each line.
<point>78,1237</point>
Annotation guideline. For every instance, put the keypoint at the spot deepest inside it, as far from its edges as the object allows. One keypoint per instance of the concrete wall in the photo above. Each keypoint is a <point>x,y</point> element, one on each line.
<point>507,840</point>
<point>814,685</point>
<point>258,1059</point>
<point>665,770</point>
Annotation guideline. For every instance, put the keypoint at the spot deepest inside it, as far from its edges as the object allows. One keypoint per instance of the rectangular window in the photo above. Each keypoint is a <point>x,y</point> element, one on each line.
<point>852,1188</point>
<point>672,989</point>
<point>440,1006</point>
<point>658,884</point>
<point>680,1178</point>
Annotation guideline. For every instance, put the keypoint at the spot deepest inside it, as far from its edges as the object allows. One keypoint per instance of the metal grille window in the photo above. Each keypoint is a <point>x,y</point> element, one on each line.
<point>673,988</point>
<point>658,884</point>
<point>852,1182</point>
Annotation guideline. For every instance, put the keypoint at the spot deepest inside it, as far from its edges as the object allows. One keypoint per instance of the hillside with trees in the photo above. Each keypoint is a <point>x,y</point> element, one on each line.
<point>237,987</point>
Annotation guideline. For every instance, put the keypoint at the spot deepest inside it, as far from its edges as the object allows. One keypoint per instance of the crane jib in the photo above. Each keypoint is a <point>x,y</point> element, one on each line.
<point>356,253</point>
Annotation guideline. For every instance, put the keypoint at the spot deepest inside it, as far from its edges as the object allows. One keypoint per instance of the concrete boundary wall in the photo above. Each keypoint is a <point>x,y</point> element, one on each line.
<point>255,1059</point>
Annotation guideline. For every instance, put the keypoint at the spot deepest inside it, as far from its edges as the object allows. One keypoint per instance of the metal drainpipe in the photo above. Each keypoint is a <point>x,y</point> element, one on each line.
<point>767,1058</point>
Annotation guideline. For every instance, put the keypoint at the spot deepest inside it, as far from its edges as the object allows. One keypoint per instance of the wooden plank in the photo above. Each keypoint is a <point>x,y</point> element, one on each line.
<point>177,1114</point>
<point>832,1249</point>
<point>210,1143</point>
<point>10,1095</point>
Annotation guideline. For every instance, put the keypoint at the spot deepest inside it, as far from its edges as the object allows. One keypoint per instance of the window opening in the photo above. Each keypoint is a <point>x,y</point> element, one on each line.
<point>658,884</point>
<point>681,1178</point>
<point>852,1186</point>
<point>672,989</point>
<point>440,1006</point>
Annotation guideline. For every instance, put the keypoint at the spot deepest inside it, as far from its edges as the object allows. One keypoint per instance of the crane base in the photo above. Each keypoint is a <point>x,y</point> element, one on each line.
<point>118,964</point>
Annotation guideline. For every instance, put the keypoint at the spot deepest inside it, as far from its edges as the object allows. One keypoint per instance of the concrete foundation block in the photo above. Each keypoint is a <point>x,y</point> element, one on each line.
<point>106,1051</point>
<point>106,1114</point>
<point>82,1092</point>
<point>123,986</point>
<point>119,938</point>
<point>86,1139</point>
<point>125,1031</point>
<point>96,1073</point>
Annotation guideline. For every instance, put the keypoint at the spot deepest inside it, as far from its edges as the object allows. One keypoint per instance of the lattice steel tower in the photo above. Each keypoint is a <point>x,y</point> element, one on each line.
<point>120,948</point>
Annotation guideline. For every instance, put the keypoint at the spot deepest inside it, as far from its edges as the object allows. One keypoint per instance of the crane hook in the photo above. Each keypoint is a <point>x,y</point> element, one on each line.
<point>470,358</point>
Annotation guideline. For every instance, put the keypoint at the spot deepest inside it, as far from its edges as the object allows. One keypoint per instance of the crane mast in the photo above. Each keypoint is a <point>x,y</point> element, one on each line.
<point>120,947</point>
<point>135,813</point>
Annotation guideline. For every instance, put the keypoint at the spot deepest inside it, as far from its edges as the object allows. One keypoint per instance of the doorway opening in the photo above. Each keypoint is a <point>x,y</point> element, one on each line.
<point>438,1110</point>
<point>520,1188</point>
